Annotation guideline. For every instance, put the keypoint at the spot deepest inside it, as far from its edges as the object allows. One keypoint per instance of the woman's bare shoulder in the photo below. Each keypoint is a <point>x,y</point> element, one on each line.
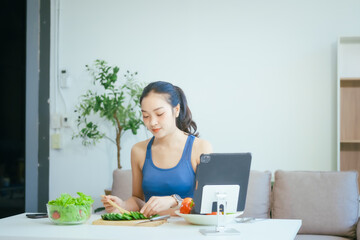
<point>202,146</point>
<point>140,146</point>
<point>138,151</point>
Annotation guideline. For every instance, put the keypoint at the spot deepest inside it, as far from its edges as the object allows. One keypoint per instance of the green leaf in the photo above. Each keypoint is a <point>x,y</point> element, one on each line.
<point>118,102</point>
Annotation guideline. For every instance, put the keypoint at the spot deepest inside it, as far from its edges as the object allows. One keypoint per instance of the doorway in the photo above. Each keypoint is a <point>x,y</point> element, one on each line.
<point>12,105</point>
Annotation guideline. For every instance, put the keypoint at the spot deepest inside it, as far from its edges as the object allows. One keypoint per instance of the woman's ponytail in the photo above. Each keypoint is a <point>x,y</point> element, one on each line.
<point>184,121</point>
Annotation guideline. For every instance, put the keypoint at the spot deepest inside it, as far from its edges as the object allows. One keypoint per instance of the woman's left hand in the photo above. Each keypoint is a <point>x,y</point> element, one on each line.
<point>157,204</point>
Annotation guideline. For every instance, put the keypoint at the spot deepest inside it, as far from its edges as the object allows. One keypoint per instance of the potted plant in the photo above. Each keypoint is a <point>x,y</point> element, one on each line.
<point>115,101</point>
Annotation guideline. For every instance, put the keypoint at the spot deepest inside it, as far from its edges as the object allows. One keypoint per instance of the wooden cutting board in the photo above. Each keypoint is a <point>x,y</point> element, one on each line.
<point>129,223</point>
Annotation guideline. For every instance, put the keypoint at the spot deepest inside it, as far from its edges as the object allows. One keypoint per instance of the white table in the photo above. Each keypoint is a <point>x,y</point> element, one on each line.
<point>21,227</point>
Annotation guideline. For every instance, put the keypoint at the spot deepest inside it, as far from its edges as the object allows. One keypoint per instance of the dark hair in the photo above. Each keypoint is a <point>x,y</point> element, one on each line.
<point>175,96</point>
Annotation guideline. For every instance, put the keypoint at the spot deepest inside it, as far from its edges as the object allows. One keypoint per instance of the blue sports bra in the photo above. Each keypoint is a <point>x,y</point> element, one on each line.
<point>167,181</point>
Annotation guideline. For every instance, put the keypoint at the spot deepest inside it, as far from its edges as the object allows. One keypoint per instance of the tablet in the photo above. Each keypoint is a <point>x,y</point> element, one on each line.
<point>228,172</point>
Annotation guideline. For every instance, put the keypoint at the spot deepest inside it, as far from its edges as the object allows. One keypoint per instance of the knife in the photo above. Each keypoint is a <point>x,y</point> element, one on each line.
<point>154,219</point>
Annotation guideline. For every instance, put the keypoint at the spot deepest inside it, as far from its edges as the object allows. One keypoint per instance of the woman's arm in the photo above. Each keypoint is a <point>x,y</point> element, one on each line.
<point>136,202</point>
<point>138,154</point>
<point>200,146</point>
<point>158,205</point>
<point>132,204</point>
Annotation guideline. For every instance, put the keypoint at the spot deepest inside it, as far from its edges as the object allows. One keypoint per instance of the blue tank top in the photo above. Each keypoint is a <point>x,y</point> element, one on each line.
<point>167,181</point>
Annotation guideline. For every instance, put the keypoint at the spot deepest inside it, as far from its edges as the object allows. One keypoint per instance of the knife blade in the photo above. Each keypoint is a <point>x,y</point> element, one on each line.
<point>155,219</point>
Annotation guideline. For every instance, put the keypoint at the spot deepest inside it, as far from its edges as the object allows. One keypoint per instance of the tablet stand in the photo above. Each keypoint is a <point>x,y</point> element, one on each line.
<point>220,228</point>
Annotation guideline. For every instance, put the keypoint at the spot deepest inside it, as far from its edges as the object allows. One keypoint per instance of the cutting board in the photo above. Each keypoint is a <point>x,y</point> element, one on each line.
<point>128,223</point>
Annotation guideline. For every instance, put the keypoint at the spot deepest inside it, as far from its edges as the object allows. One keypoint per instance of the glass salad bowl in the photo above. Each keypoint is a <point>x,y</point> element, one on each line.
<point>71,214</point>
<point>70,210</point>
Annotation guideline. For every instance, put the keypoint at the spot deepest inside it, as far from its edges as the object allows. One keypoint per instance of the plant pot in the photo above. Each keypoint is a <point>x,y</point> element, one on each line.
<point>107,191</point>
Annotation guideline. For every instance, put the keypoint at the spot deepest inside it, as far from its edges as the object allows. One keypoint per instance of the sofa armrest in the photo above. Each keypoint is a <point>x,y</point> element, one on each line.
<point>331,211</point>
<point>358,229</point>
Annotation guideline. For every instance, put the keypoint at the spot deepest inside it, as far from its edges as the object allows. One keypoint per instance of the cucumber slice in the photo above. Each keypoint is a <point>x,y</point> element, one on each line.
<point>104,216</point>
<point>127,216</point>
<point>118,216</point>
<point>133,214</point>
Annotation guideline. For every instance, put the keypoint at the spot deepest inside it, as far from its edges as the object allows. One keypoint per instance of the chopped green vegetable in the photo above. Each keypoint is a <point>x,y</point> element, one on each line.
<point>67,199</point>
<point>67,209</point>
<point>125,216</point>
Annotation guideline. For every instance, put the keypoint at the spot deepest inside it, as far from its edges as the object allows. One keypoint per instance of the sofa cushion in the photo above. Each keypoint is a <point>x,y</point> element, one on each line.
<point>326,202</point>
<point>258,195</point>
<point>318,237</point>
<point>122,184</point>
<point>358,230</point>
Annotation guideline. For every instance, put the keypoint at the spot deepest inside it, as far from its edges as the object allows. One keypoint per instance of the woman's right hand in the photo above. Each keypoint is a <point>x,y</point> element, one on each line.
<point>108,207</point>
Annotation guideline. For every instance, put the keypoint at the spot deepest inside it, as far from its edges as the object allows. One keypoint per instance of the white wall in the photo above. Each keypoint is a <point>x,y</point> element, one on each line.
<point>260,76</point>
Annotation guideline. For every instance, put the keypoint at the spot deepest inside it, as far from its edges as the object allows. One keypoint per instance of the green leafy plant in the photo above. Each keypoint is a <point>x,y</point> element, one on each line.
<point>66,199</point>
<point>117,102</point>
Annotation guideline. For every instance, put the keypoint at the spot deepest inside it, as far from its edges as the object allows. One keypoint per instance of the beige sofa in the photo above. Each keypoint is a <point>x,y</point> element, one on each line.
<point>326,202</point>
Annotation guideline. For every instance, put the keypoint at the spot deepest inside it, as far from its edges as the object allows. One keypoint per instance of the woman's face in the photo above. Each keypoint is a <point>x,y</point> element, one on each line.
<point>158,115</point>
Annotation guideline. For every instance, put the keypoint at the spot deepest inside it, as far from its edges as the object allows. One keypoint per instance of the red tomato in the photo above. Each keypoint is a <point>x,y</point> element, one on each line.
<point>186,205</point>
<point>55,215</point>
<point>213,213</point>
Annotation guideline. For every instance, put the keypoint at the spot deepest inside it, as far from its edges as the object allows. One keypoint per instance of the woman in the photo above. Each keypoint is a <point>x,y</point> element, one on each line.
<point>163,167</point>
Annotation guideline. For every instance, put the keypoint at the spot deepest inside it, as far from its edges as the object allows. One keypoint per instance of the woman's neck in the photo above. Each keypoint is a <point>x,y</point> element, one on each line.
<point>170,139</point>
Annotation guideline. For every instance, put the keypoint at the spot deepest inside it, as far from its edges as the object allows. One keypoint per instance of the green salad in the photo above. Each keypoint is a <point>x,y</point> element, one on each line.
<point>67,209</point>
